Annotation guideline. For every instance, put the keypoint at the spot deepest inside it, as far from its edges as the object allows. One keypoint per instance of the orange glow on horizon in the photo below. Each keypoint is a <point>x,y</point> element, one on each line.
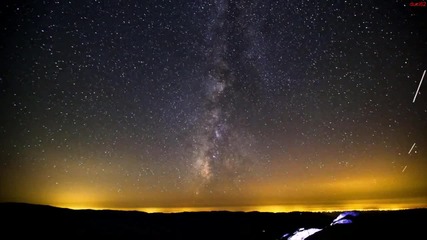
<point>361,205</point>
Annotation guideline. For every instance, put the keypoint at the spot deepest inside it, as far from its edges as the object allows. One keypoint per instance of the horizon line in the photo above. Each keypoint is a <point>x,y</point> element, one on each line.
<point>249,208</point>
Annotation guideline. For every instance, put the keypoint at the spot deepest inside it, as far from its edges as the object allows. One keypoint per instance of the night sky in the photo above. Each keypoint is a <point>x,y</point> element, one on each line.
<point>223,104</point>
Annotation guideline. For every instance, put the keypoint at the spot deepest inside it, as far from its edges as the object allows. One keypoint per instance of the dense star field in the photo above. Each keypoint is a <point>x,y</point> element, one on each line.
<point>214,104</point>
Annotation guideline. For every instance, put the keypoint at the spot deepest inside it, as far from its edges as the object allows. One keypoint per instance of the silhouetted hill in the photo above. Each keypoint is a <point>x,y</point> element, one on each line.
<point>21,220</point>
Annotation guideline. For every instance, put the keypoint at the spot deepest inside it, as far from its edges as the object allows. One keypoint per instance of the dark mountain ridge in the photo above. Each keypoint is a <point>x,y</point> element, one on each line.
<point>22,220</point>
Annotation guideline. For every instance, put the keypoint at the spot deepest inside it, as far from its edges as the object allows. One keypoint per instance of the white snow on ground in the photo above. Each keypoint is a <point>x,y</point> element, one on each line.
<point>342,218</point>
<point>302,233</point>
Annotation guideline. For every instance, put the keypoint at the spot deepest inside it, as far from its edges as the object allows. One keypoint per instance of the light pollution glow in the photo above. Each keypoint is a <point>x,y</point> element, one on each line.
<point>377,187</point>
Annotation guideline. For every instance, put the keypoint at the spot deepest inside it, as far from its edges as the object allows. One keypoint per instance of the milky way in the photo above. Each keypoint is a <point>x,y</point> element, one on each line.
<point>222,147</point>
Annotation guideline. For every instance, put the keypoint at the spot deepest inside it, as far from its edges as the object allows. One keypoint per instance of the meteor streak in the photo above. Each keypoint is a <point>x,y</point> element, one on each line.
<point>419,85</point>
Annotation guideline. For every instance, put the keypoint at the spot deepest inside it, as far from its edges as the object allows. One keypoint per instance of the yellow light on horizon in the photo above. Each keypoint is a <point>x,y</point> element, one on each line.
<point>359,205</point>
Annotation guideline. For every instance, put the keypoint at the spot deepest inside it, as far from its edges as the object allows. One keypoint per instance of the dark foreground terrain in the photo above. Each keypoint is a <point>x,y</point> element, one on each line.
<point>20,221</point>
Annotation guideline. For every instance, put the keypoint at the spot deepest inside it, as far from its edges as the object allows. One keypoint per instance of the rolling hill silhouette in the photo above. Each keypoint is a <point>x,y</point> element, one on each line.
<point>23,220</point>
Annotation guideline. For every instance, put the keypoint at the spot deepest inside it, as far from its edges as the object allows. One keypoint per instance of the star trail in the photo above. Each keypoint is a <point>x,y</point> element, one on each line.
<point>220,104</point>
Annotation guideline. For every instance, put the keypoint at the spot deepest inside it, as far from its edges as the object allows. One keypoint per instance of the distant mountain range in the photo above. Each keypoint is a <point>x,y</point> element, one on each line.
<point>22,220</point>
